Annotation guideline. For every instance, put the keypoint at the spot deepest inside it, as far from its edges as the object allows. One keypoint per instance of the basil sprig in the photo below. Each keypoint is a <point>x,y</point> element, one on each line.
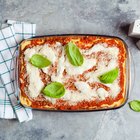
<point>54,90</point>
<point>109,76</point>
<point>39,61</point>
<point>74,55</point>
<point>135,105</point>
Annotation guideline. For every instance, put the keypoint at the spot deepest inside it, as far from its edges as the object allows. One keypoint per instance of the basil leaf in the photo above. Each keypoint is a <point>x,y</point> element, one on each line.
<point>39,61</point>
<point>54,90</point>
<point>135,105</point>
<point>74,55</point>
<point>109,76</point>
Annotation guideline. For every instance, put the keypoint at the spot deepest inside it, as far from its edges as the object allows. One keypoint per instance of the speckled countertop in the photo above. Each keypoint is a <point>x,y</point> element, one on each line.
<point>110,17</point>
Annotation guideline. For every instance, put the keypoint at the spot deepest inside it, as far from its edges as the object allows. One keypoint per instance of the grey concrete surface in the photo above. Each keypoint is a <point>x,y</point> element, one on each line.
<point>105,17</point>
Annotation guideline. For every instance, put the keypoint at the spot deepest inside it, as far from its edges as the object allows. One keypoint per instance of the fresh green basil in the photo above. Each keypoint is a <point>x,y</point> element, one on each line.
<point>135,105</point>
<point>54,90</point>
<point>74,55</point>
<point>109,76</point>
<point>39,61</point>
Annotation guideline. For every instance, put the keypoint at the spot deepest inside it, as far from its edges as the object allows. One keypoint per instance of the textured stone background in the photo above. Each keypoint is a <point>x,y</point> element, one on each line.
<point>110,17</point>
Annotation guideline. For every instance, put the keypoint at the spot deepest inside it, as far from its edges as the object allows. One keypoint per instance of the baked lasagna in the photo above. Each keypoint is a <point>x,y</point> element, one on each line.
<point>72,72</point>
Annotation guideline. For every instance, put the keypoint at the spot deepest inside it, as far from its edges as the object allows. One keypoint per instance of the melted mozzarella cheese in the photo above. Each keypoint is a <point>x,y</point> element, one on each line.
<point>103,47</point>
<point>45,70</point>
<point>60,69</point>
<point>101,69</point>
<point>35,82</point>
<point>58,44</point>
<point>61,66</point>
<point>43,50</point>
<point>102,93</point>
<point>52,100</point>
<point>75,70</point>
<point>114,88</point>
<point>86,93</point>
<point>30,52</point>
<point>96,48</point>
<point>83,87</point>
<point>48,52</point>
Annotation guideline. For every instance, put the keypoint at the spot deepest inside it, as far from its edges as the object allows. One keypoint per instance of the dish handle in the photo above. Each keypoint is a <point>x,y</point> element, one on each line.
<point>132,73</point>
<point>14,73</point>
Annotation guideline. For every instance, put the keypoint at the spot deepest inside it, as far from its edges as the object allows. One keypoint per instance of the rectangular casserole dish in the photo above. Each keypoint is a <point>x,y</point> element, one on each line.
<point>108,52</point>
